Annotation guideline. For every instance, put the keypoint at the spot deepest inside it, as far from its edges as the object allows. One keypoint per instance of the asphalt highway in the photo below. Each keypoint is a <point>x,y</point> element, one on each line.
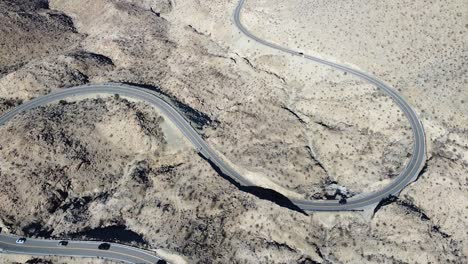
<point>41,247</point>
<point>413,167</point>
<point>134,255</point>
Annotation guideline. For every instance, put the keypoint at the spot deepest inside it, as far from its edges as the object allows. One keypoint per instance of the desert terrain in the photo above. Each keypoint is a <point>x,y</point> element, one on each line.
<point>18,259</point>
<point>298,128</point>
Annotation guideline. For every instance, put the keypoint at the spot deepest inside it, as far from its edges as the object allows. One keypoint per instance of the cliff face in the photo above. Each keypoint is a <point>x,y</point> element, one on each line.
<point>294,127</point>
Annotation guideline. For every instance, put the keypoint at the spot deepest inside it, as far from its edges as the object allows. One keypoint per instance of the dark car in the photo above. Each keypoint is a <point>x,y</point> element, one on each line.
<point>343,201</point>
<point>104,246</point>
<point>63,243</point>
<point>161,262</point>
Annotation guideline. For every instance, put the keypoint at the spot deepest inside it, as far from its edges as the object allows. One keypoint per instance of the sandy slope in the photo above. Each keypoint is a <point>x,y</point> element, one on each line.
<point>300,125</point>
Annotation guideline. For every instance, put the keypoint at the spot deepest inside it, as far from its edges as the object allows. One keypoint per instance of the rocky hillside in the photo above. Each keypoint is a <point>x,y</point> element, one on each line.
<point>77,167</point>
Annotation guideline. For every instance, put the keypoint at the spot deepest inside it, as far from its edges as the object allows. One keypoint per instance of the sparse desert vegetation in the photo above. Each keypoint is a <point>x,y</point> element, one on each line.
<point>100,162</point>
<point>17,259</point>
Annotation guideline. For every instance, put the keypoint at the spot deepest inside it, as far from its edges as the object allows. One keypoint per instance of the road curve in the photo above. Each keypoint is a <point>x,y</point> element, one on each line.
<point>409,173</point>
<point>135,255</point>
<point>42,247</point>
<point>360,202</point>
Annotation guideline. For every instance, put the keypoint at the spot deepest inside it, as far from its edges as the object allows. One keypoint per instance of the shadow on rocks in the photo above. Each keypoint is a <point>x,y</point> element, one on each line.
<point>260,192</point>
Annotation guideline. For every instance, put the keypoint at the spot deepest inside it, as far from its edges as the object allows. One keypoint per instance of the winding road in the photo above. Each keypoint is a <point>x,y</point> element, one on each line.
<point>42,247</point>
<point>406,176</point>
<point>132,255</point>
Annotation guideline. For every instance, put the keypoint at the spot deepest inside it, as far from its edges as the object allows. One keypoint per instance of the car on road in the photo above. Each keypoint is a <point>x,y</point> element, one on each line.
<point>104,246</point>
<point>62,243</point>
<point>21,240</point>
<point>343,200</point>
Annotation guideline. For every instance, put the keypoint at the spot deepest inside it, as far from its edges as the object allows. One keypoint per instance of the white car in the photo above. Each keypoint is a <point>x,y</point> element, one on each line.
<point>21,240</point>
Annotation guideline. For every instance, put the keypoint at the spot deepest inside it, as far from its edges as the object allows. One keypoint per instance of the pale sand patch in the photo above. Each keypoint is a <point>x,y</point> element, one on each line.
<point>171,257</point>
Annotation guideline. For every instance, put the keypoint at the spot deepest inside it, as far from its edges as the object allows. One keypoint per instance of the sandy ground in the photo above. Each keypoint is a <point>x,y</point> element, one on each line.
<point>299,126</point>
